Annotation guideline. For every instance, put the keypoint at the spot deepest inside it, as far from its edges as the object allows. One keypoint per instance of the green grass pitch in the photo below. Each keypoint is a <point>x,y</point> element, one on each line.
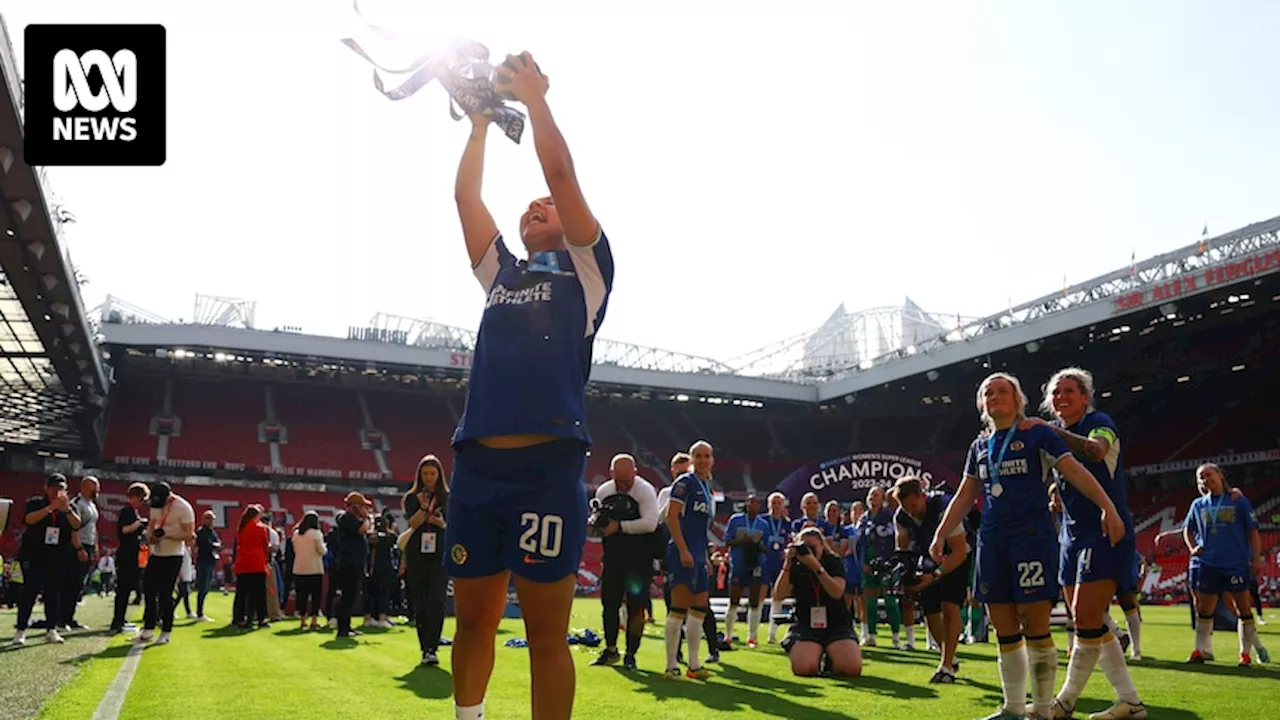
<point>210,671</point>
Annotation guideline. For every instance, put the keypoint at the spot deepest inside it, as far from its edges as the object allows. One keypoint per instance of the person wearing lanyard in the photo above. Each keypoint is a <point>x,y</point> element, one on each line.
<point>775,551</point>
<point>172,524</point>
<point>1017,553</point>
<point>45,552</point>
<point>746,535</point>
<point>424,505</point>
<point>689,514</point>
<point>1222,532</point>
<point>823,629</point>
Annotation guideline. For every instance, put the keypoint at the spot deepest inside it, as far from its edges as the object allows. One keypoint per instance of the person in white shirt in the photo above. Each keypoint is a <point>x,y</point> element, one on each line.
<point>628,510</point>
<point>308,568</point>
<point>106,571</point>
<point>80,570</point>
<point>171,524</point>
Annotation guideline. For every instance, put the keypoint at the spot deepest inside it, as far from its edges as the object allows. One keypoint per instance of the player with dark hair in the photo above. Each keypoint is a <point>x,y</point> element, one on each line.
<point>746,535</point>
<point>942,591</point>
<point>517,504</point>
<point>1017,553</point>
<point>876,539</point>
<point>1222,531</point>
<point>1092,569</point>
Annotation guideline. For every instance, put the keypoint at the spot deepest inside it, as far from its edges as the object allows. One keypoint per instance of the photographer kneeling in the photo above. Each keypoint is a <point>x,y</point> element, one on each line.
<point>944,588</point>
<point>625,514</point>
<point>814,578</point>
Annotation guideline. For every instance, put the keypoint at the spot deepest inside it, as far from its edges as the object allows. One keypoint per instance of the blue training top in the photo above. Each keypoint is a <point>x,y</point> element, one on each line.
<point>533,352</point>
<point>1224,526</point>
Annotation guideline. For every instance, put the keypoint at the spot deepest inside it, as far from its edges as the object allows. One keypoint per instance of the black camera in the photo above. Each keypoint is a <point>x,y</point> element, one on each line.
<point>802,549</point>
<point>600,516</point>
<point>899,571</point>
<point>158,532</point>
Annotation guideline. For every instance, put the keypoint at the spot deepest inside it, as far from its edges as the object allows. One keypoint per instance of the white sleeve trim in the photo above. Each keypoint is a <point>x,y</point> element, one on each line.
<point>486,271</point>
<point>594,290</point>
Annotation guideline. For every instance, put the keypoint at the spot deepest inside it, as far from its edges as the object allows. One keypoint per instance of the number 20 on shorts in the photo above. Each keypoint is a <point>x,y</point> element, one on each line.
<point>541,534</point>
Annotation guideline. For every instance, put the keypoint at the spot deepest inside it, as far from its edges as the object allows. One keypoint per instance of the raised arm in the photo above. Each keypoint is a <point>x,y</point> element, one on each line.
<point>478,228</point>
<point>530,87</point>
<point>956,511</point>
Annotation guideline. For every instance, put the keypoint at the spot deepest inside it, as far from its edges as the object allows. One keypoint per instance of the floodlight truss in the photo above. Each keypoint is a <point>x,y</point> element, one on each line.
<point>1249,241</point>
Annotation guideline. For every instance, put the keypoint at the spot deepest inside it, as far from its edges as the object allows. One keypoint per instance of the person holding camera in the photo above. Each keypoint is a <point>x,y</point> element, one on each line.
<point>172,523</point>
<point>814,577</point>
<point>942,591</point>
<point>45,554</point>
<point>351,558</point>
<point>383,581</point>
<point>85,559</point>
<point>424,507</point>
<point>625,516</point>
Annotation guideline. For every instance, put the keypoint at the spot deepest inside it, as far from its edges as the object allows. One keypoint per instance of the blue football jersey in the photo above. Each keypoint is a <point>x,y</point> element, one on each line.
<point>877,533</point>
<point>697,508</point>
<point>1020,505</point>
<point>803,522</point>
<point>1081,518</point>
<point>742,526</point>
<point>533,351</point>
<point>1224,526</point>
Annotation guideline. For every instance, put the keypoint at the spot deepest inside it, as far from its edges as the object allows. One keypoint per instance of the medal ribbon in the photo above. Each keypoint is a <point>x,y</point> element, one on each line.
<point>993,461</point>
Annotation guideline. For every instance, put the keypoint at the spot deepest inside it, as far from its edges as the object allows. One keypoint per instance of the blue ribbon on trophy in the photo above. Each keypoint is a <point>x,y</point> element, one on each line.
<point>463,70</point>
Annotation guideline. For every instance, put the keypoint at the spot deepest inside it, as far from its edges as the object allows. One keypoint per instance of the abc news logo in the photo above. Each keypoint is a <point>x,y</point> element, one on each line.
<point>95,95</point>
<point>71,91</point>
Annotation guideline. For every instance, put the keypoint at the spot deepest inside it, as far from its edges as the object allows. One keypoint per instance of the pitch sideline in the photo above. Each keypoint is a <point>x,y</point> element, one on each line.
<point>113,700</point>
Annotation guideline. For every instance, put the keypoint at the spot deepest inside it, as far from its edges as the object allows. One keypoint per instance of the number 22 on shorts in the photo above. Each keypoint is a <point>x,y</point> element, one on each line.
<point>1031,574</point>
<point>541,534</point>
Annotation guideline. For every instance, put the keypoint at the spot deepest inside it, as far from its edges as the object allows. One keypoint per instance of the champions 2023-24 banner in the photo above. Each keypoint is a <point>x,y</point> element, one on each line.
<point>849,477</point>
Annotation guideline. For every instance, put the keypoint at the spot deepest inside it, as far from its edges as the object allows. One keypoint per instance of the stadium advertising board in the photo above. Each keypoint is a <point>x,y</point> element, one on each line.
<point>1191,283</point>
<point>849,477</point>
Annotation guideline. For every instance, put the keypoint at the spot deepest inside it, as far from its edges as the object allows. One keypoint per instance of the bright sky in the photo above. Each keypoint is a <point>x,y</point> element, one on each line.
<point>753,167</point>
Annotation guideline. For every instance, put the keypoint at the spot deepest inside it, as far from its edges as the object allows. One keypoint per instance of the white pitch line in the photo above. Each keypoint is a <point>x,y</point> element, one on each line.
<point>113,701</point>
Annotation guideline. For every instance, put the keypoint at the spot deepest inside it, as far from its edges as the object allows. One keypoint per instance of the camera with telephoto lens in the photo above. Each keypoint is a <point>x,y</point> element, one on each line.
<point>900,570</point>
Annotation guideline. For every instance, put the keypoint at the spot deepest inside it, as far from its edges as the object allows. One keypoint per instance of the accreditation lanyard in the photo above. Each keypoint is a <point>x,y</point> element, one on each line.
<point>995,461</point>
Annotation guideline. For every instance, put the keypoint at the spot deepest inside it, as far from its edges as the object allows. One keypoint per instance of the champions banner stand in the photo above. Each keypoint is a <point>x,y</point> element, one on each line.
<point>849,477</point>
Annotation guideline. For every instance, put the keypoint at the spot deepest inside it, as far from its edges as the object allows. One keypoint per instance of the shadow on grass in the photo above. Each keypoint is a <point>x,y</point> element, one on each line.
<point>1215,668</point>
<point>430,683</point>
<point>765,694</point>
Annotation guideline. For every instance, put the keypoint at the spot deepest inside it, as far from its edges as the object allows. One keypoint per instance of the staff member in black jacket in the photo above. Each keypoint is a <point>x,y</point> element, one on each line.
<point>627,517</point>
<point>424,507</point>
<point>45,555</point>
<point>207,546</point>
<point>129,531</point>
<point>350,558</point>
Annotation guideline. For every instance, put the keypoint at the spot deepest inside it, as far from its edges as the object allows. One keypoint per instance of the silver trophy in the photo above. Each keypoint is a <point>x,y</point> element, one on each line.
<point>463,69</point>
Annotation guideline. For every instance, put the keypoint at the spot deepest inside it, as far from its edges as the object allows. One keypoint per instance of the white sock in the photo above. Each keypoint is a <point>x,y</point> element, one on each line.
<point>775,609</point>
<point>753,622</point>
<point>1043,659</point>
<point>1254,639</point>
<point>1116,669</point>
<point>911,634</point>
<point>471,712</point>
<point>1244,629</point>
<point>693,633</point>
<point>729,618</point>
<point>864,632</point>
<point>622,618</point>
<point>672,636</point>
<point>1083,657</point>
<point>1133,619</point>
<point>1204,634</point>
<point>1111,624</point>
<point>1013,678</point>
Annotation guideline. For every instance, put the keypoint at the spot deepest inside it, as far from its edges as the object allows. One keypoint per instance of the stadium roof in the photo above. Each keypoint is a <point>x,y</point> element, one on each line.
<point>850,353</point>
<point>52,379</point>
